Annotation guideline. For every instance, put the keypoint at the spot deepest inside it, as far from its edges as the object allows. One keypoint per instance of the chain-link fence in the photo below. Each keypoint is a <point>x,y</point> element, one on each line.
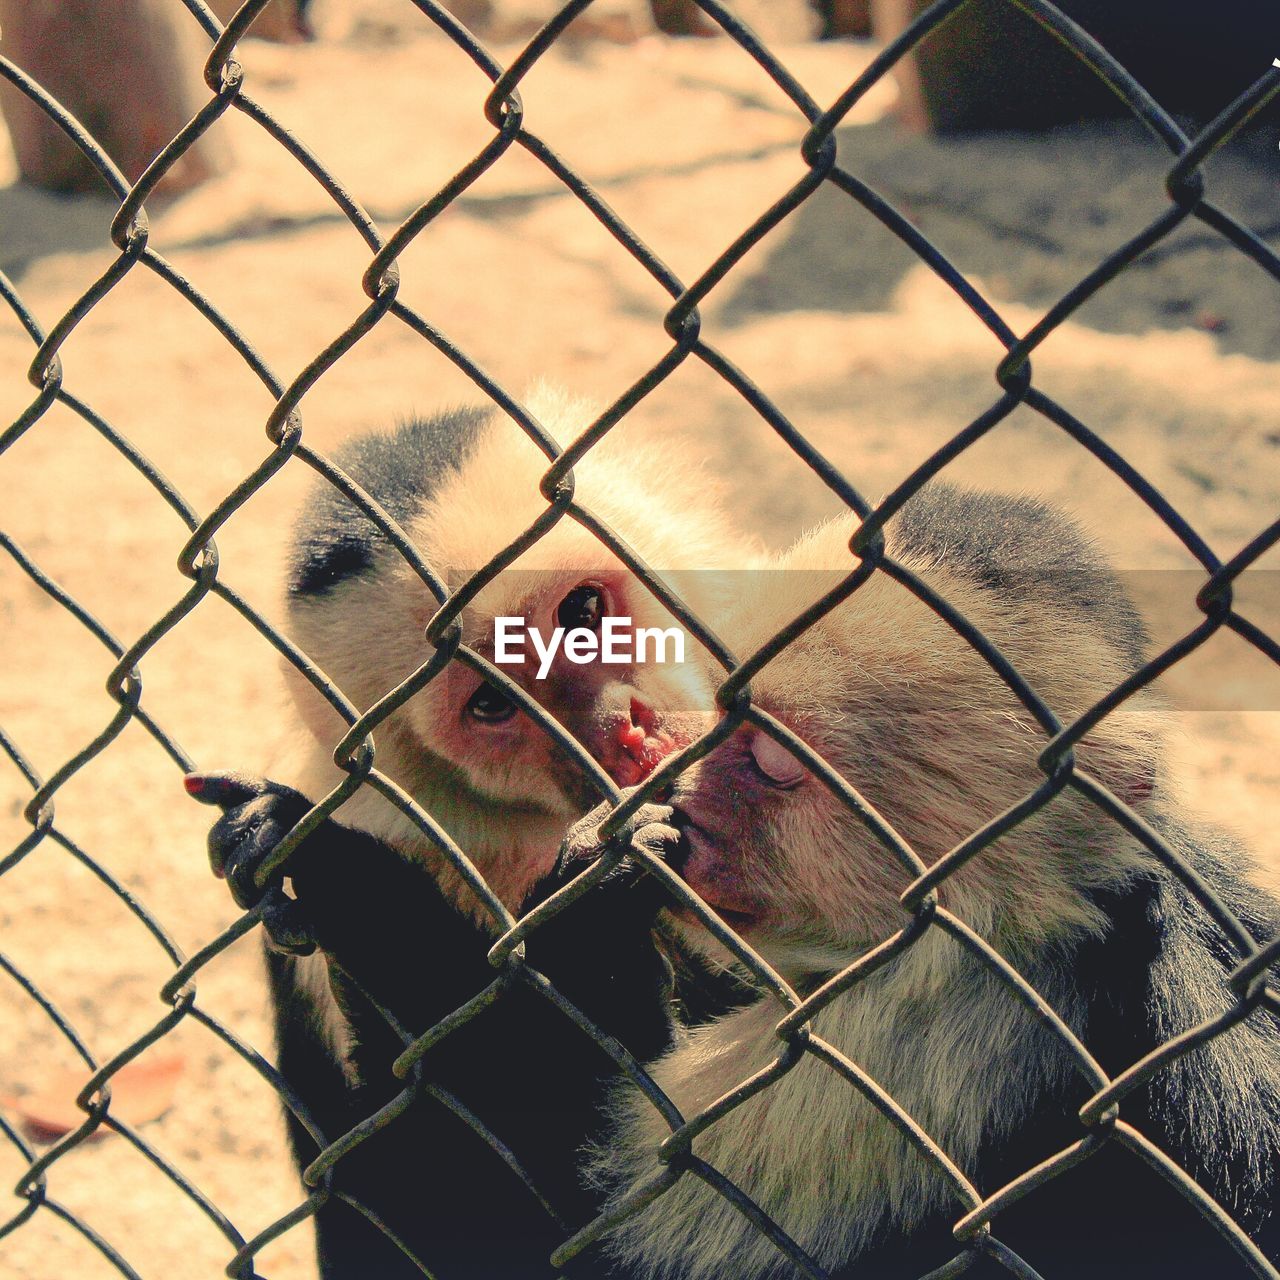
<point>1102,1122</point>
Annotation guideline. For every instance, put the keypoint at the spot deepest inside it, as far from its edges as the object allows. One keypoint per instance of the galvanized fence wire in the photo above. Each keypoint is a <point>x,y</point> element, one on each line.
<point>1101,1117</point>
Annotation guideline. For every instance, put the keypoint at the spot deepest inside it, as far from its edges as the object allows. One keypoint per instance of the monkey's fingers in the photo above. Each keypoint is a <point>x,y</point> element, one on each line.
<point>239,842</point>
<point>583,843</point>
<point>228,788</point>
<point>654,840</point>
<point>246,834</point>
<point>658,839</point>
<point>287,924</point>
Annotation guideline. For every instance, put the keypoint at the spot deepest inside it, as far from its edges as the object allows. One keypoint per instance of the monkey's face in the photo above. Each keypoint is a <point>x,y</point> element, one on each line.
<point>779,857</point>
<point>912,720</point>
<point>558,634</point>
<point>625,708</point>
<point>793,865</point>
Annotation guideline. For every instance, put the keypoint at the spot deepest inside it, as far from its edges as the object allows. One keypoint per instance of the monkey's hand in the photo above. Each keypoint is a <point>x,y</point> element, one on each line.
<point>600,951</point>
<point>256,816</point>
<point>650,831</point>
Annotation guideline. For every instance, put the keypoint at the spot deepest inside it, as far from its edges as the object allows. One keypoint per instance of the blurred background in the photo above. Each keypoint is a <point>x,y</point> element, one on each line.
<point>1025,181</point>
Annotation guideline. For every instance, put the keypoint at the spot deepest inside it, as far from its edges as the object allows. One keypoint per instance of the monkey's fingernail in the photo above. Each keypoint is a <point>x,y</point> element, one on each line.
<point>218,788</point>
<point>214,789</point>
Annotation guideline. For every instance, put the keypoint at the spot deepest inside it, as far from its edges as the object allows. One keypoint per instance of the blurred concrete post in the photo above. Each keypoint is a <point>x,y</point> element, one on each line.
<point>989,66</point>
<point>992,66</point>
<point>128,70</point>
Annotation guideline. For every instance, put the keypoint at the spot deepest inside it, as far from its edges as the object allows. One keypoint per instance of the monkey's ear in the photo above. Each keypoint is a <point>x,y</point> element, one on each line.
<point>322,721</point>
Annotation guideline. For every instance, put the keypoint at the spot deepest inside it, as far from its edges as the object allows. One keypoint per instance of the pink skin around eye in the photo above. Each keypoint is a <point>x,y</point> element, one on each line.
<point>775,761</point>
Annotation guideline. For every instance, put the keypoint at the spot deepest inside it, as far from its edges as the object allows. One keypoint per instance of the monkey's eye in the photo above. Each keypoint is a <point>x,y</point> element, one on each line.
<point>582,607</point>
<point>490,705</point>
<point>780,768</point>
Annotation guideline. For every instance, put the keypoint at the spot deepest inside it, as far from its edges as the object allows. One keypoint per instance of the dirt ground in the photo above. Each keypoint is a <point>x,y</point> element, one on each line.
<point>868,353</point>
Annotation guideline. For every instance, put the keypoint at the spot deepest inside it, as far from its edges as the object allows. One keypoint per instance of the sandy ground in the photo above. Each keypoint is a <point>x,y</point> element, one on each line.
<point>872,358</point>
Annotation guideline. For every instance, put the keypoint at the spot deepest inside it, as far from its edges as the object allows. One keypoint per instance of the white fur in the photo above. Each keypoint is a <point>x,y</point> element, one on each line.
<point>311,977</point>
<point>809,1149</point>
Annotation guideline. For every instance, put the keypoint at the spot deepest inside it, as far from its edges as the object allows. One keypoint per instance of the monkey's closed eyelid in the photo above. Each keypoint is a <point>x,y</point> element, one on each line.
<point>780,768</point>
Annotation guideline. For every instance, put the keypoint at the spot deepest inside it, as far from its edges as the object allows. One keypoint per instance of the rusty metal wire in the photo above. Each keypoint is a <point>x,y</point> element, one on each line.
<point>977,1217</point>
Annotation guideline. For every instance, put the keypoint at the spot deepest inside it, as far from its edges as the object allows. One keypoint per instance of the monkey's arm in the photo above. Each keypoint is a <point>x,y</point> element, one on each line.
<point>381,917</point>
<point>392,942</point>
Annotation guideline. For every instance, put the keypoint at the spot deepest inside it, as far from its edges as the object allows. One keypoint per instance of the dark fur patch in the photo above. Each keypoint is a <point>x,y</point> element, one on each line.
<point>401,468</point>
<point>1025,548</point>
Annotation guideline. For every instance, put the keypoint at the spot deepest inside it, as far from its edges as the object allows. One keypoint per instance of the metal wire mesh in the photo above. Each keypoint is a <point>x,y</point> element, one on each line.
<point>977,1227</point>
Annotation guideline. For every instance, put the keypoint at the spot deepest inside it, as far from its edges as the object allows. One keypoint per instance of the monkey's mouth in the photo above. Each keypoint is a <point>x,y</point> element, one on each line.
<point>700,864</point>
<point>641,744</point>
